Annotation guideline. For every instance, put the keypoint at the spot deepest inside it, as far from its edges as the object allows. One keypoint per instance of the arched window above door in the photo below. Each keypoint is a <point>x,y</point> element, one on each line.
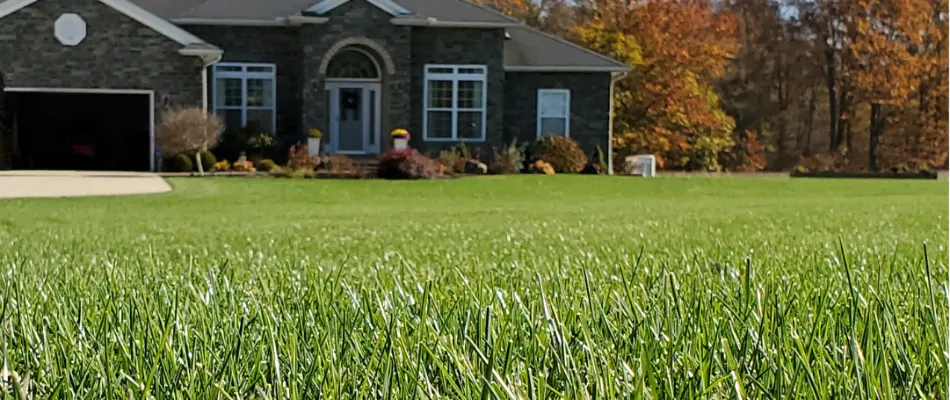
<point>352,64</point>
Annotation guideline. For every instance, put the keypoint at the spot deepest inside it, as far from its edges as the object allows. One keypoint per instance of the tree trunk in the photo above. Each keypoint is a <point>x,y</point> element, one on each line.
<point>842,124</point>
<point>201,168</point>
<point>832,101</point>
<point>877,126</point>
<point>809,123</point>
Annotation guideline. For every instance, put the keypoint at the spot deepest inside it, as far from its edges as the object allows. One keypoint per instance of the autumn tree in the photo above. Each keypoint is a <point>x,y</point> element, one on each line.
<point>668,104</point>
<point>888,36</point>
<point>552,16</point>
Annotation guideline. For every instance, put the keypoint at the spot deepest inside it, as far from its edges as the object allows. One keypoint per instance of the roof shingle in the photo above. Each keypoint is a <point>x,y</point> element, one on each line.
<point>527,48</point>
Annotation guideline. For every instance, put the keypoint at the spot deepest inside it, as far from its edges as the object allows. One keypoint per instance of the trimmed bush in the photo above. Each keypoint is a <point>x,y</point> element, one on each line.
<point>266,165</point>
<point>181,163</point>
<point>407,164</point>
<point>208,160</point>
<point>563,153</point>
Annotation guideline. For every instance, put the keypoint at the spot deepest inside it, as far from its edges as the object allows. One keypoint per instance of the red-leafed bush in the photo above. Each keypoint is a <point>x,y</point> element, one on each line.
<point>407,164</point>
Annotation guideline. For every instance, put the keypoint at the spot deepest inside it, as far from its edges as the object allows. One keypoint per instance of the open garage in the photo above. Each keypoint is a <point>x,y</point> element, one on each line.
<point>101,130</point>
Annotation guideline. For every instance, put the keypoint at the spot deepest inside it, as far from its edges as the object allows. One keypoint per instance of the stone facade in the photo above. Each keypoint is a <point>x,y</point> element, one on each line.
<point>460,46</point>
<point>270,45</point>
<point>357,19</point>
<point>120,53</point>
<point>117,53</point>
<point>590,106</point>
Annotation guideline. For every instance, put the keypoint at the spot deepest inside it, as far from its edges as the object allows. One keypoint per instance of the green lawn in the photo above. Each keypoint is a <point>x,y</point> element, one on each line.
<point>507,287</point>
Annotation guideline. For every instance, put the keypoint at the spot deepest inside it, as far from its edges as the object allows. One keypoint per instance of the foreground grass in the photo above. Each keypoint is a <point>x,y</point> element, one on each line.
<point>516,287</point>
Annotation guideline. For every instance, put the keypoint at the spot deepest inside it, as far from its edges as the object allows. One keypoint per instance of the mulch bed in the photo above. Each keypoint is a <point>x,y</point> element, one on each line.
<point>867,175</point>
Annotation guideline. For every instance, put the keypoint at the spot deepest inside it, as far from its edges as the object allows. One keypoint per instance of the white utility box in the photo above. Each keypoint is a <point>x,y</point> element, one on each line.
<point>643,165</point>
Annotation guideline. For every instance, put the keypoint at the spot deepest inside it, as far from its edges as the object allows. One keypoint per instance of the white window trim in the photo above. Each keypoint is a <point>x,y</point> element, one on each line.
<point>244,75</point>
<point>567,114</point>
<point>379,71</point>
<point>455,77</point>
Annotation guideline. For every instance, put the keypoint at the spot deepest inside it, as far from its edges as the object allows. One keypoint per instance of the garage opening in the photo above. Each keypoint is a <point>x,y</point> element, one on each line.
<point>48,130</point>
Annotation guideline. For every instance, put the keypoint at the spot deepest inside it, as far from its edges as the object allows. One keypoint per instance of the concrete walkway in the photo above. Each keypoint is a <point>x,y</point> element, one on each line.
<point>25,184</point>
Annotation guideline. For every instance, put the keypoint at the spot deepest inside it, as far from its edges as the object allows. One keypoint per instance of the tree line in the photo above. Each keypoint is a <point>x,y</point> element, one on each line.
<point>747,85</point>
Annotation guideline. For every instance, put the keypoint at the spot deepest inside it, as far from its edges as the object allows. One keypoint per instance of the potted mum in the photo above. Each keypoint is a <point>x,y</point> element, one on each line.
<point>400,139</point>
<point>313,142</point>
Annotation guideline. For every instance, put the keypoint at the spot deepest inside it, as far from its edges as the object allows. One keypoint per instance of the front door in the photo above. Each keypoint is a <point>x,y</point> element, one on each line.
<point>354,117</point>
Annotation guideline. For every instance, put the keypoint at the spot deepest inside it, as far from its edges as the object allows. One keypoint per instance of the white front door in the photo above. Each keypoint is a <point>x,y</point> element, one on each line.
<point>354,117</point>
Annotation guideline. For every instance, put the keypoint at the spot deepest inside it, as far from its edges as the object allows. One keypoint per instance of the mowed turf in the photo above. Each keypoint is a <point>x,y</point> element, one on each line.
<point>526,287</point>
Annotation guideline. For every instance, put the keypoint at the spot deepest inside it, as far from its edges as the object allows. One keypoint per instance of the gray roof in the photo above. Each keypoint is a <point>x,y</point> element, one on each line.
<point>530,48</point>
<point>225,9</point>
<point>454,11</point>
<point>442,10</point>
<point>526,49</point>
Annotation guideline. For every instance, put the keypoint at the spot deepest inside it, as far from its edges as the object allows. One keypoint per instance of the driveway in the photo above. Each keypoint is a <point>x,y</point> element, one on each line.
<point>24,184</point>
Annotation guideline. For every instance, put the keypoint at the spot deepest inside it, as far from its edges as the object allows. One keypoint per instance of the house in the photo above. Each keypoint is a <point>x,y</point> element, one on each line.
<point>99,72</point>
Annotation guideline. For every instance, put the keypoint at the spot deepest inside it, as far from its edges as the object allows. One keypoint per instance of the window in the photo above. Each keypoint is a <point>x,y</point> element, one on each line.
<point>554,112</point>
<point>352,64</point>
<point>454,103</point>
<point>244,94</point>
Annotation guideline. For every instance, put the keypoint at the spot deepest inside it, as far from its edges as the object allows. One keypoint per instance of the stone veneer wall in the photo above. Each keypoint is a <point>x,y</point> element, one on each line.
<point>356,19</point>
<point>117,53</point>
<point>270,45</point>
<point>590,106</point>
<point>460,46</point>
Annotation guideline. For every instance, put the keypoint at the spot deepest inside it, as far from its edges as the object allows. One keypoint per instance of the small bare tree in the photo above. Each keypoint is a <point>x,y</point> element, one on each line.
<point>182,129</point>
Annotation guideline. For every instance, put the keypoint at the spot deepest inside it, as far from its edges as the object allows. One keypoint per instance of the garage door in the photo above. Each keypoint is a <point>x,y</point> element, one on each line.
<point>80,131</point>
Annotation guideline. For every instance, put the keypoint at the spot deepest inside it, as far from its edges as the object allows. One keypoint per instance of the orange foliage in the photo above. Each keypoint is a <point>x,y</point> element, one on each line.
<point>667,105</point>
<point>747,155</point>
<point>899,52</point>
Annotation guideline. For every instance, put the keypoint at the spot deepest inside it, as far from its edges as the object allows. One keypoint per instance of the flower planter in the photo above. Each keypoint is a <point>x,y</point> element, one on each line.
<point>313,146</point>
<point>400,143</point>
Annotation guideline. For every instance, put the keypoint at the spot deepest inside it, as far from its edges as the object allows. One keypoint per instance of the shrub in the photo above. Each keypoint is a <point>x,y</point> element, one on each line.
<point>303,174</point>
<point>280,172</point>
<point>208,160</point>
<point>222,165</point>
<point>243,166</point>
<point>299,158</point>
<point>592,168</point>
<point>830,162</point>
<point>745,155</point>
<point>266,165</point>
<point>452,160</point>
<point>596,165</point>
<point>507,161</point>
<point>407,164</point>
<point>184,129</point>
<point>340,164</point>
<point>181,163</point>
<point>260,141</point>
<point>542,167</point>
<point>455,158</point>
<point>563,153</point>
<point>602,160</point>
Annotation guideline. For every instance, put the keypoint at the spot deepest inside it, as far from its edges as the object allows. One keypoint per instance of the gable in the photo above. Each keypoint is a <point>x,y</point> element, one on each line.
<point>388,6</point>
<point>131,10</point>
